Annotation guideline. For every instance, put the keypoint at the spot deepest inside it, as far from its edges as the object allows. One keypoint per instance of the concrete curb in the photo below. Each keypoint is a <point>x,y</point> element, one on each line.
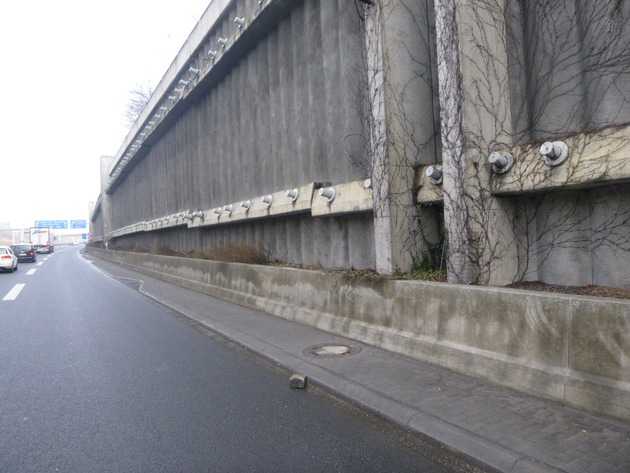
<point>452,437</point>
<point>471,447</point>
<point>551,346</point>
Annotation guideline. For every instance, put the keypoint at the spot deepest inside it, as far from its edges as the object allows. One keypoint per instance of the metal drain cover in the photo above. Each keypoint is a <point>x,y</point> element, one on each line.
<point>330,350</point>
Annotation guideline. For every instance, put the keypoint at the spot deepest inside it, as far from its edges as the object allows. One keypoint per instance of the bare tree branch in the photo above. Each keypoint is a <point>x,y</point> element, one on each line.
<point>138,100</point>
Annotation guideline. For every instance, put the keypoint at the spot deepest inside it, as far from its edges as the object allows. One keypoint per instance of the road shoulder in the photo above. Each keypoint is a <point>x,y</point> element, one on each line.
<point>488,424</point>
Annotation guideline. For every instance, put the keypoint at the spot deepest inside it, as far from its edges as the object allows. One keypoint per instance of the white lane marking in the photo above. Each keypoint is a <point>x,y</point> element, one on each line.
<point>30,272</point>
<point>14,293</point>
<point>39,264</point>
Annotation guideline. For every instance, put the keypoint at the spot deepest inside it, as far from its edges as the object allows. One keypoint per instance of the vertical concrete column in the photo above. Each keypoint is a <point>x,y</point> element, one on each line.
<point>475,110</point>
<point>106,206</point>
<point>402,123</point>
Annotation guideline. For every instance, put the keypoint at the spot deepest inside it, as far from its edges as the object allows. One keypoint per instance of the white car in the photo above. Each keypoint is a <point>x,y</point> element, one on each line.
<point>8,260</point>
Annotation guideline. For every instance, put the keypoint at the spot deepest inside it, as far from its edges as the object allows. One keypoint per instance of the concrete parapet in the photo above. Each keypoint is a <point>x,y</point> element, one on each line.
<point>569,348</point>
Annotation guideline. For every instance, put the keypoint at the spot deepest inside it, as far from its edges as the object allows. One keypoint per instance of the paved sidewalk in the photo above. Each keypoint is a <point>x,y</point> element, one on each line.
<point>507,430</point>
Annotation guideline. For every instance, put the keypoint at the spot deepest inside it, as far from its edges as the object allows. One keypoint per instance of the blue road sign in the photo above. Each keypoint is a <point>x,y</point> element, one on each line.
<point>78,224</point>
<point>53,224</point>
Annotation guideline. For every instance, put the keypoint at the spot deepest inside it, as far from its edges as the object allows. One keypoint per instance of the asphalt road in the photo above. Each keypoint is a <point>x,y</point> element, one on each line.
<point>94,377</point>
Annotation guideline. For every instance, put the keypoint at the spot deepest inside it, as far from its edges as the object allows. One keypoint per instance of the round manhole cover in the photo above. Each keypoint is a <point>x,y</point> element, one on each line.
<point>328,350</point>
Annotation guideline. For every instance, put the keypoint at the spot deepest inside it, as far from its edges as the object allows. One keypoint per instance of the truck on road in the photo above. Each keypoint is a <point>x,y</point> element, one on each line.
<point>42,240</point>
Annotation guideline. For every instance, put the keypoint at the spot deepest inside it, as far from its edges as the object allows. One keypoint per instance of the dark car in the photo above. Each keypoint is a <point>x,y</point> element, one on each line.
<point>44,249</point>
<point>25,252</point>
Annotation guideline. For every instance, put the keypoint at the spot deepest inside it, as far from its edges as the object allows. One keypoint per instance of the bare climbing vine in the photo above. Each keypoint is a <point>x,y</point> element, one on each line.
<point>528,72</point>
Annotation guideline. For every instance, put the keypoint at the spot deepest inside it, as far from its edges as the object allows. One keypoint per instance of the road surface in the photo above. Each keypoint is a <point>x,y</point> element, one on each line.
<point>94,377</point>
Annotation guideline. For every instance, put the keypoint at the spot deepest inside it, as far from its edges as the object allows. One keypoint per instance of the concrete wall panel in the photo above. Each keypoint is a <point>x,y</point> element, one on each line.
<point>569,72</point>
<point>96,226</point>
<point>577,238</point>
<point>570,66</point>
<point>345,242</point>
<point>279,119</point>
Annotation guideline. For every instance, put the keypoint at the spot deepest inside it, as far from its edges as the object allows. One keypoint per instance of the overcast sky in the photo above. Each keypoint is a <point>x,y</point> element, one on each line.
<point>66,69</point>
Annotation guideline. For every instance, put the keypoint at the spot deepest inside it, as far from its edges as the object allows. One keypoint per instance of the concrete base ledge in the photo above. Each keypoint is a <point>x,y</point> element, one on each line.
<point>569,348</point>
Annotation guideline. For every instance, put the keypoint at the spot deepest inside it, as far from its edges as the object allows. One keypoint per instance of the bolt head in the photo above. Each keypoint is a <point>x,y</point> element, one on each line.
<point>434,173</point>
<point>328,193</point>
<point>497,159</point>
<point>554,153</point>
<point>501,162</point>
<point>293,194</point>
<point>546,149</point>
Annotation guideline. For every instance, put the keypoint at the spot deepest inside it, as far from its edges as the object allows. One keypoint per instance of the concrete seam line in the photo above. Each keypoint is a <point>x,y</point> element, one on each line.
<point>568,346</point>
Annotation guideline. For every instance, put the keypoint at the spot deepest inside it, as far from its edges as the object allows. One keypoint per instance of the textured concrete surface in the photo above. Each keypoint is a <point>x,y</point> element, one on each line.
<point>511,431</point>
<point>329,242</point>
<point>582,94</point>
<point>96,377</point>
<point>574,349</point>
<point>210,18</point>
<point>286,107</point>
<point>557,91</point>
<point>595,158</point>
<point>249,136</point>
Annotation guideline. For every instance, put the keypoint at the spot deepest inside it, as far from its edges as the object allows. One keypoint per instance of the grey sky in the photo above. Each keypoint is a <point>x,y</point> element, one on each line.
<point>66,71</point>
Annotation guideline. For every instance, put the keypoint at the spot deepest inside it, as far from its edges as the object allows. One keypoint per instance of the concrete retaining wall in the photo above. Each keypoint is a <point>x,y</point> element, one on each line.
<point>96,225</point>
<point>289,102</point>
<point>346,242</point>
<point>569,348</point>
<point>287,113</point>
<point>575,238</point>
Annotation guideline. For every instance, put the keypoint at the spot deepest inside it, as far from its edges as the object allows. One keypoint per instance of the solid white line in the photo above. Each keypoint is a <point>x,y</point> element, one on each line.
<point>39,264</point>
<point>30,272</point>
<point>14,293</point>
